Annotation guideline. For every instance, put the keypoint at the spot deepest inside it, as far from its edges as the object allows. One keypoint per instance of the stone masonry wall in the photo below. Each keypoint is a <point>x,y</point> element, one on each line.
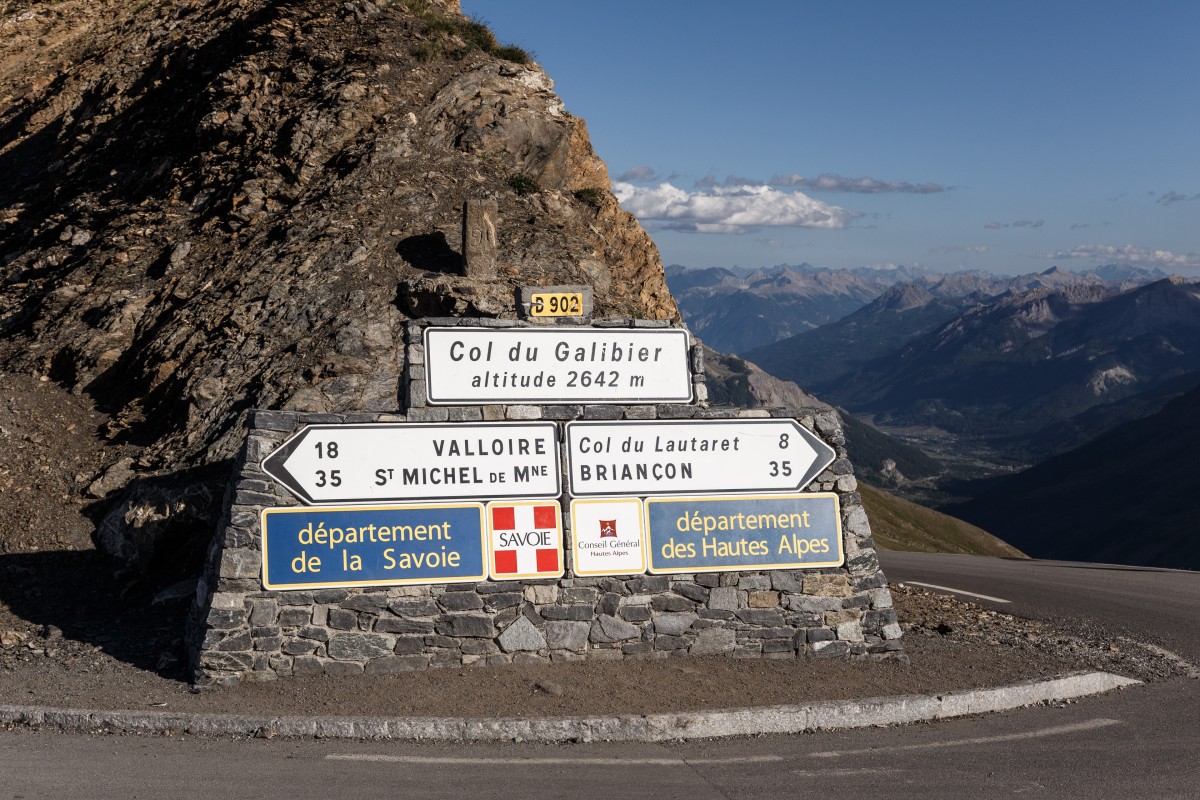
<point>239,631</point>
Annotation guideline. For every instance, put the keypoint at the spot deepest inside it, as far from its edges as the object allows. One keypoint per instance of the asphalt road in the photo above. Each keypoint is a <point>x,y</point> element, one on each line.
<point>1138,743</point>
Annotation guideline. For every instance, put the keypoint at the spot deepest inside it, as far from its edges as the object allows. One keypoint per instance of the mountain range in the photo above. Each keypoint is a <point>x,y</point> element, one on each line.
<point>1013,367</point>
<point>735,310</point>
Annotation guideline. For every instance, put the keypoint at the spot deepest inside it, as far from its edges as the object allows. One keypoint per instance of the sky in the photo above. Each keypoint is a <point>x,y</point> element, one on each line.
<point>1006,136</point>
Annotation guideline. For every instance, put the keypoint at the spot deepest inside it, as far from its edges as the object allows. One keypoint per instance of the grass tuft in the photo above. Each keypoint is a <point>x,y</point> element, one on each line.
<point>474,34</point>
<point>523,184</point>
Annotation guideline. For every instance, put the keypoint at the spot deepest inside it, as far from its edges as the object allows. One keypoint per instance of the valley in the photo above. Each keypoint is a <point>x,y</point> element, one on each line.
<point>967,392</point>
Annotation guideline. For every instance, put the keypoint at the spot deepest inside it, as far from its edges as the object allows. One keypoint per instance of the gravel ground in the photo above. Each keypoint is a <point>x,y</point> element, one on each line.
<point>73,634</point>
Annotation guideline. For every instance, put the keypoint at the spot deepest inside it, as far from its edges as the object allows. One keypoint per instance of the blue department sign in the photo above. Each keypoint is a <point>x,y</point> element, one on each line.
<point>309,548</point>
<point>471,366</point>
<point>727,533</point>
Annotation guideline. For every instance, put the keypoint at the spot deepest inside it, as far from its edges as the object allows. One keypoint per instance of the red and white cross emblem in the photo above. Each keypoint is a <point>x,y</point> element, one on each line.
<point>525,539</point>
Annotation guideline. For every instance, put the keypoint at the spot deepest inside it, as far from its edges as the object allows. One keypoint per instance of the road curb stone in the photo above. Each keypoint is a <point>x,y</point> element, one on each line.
<point>827,715</point>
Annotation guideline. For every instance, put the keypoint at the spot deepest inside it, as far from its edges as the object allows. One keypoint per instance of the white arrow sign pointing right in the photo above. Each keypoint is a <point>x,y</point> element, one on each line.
<point>693,457</point>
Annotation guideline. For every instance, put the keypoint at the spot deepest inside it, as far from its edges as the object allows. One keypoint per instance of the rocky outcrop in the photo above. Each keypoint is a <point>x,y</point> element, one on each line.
<point>214,206</point>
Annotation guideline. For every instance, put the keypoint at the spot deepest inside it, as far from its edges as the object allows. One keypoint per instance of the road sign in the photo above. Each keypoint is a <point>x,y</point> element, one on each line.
<point>308,548</point>
<point>557,365</point>
<point>524,539</point>
<point>412,461</point>
<point>739,532</point>
<point>607,536</point>
<point>693,456</point>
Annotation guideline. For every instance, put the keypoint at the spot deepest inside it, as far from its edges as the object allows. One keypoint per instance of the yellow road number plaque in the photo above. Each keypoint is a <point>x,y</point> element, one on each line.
<point>556,304</point>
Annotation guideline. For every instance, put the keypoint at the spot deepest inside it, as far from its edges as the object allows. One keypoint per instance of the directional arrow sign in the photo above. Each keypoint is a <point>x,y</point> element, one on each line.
<point>408,461</point>
<point>693,457</point>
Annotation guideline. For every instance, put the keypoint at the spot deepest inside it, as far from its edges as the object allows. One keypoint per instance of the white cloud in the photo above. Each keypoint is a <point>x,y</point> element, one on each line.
<point>828,182</point>
<point>737,209</point>
<point>1127,254</point>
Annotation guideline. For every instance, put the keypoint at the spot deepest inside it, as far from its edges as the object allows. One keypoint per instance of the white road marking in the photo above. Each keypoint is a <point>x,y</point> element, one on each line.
<point>955,591</point>
<point>1060,730</point>
<point>599,762</point>
<point>841,773</point>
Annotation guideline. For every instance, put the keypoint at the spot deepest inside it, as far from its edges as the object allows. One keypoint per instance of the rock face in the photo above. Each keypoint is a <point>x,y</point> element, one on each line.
<point>215,206</point>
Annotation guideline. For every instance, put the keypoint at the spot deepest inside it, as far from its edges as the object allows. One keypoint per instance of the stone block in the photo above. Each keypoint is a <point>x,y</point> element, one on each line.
<point>827,585</point>
<point>242,563</point>
<point>880,598</point>
<point>691,591</point>
<point>648,584</point>
<point>342,620</point>
<point>413,607</point>
<point>409,645</point>
<point>724,598</point>
<point>714,641</point>
<point>673,624</point>
<point>763,599</point>
<point>522,636</point>
<point>835,618</point>
<point>479,647</point>
<point>766,617</point>
<point>580,594</point>
<point>226,618</point>
<point>397,625</point>
<point>754,583</point>
<point>499,600</point>
<point>567,635</point>
<point>608,629</point>
<point>784,581</point>
<point>230,662</point>
<point>636,613</point>
<point>608,604</point>
<point>360,646</point>
<point>236,640</point>
<point>831,649</point>
<point>672,603</point>
<point>373,602</point>
<point>466,625</point>
<point>578,611</point>
<point>542,594</point>
<point>850,632</point>
<point>461,601</point>
<point>298,647</point>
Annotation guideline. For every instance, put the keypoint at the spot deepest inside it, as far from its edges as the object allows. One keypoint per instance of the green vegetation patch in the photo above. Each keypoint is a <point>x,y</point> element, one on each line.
<point>523,184</point>
<point>447,31</point>
<point>590,196</point>
<point>897,524</point>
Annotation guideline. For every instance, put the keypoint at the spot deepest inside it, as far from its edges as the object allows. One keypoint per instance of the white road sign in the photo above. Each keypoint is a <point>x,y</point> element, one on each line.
<point>409,461</point>
<point>557,365</point>
<point>693,457</point>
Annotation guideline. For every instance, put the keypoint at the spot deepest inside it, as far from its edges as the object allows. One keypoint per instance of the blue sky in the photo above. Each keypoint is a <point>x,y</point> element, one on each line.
<point>1009,136</point>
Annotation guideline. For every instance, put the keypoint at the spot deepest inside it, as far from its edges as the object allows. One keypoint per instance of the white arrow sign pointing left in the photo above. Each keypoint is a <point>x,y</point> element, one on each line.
<point>408,461</point>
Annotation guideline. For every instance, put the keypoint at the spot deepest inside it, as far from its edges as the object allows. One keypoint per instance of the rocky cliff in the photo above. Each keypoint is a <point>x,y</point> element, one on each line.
<point>215,205</point>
